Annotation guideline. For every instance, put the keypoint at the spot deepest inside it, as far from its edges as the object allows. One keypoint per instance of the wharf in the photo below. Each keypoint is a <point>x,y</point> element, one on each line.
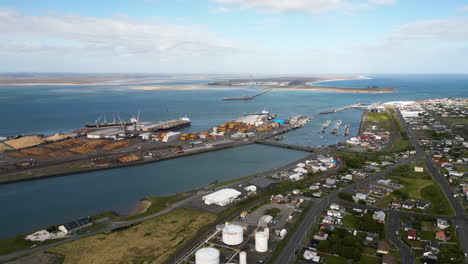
<point>245,97</point>
<point>286,145</point>
<point>359,105</point>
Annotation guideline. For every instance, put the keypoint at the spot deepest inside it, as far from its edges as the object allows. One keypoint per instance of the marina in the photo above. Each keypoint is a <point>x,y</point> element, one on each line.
<point>325,126</point>
<point>336,127</point>
<point>346,130</point>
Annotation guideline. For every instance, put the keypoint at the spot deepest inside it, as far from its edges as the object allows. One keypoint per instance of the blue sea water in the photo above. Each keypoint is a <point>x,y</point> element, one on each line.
<point>51,109</point>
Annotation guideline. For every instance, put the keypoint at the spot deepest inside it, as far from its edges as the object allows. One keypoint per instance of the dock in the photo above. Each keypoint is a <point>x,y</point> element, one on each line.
<point>359,105</point>
<point>285,145</point>
<point>245,97</point>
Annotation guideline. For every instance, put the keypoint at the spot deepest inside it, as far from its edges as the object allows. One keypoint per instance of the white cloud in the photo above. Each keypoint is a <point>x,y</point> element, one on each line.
<point>311,6</point>
<point>220,10</point>
<point>119,35</point>
<point>463,8</point>
<point>453,29</point>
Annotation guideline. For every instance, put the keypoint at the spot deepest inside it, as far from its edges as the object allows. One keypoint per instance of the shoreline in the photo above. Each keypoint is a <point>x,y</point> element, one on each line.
<point>345,79</point>
<point>141,207</point>
<point>338,89</point>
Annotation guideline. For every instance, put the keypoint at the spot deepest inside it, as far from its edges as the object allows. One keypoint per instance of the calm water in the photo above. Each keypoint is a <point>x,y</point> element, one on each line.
<point>44,109</point>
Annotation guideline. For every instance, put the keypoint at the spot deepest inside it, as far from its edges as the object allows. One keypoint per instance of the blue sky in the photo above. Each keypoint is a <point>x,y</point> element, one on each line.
<point>235,36</point>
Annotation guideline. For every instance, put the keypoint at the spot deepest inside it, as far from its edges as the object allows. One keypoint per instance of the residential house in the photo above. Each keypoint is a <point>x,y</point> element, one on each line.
<point>422,205</point>
<point>442,224</point>
<point>412,234</point>
<point>379,216</point>
<point>320,235</point>
<point>408,204</point>
<point>383,247</point>
<point>443,236</point>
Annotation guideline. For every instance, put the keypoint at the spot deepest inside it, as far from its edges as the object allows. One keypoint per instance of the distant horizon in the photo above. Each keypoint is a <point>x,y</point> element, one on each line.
<point>293,37</point>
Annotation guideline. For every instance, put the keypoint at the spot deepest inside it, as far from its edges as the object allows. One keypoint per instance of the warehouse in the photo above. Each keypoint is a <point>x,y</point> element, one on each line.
<point>112,133</point>
<point>222,197</point>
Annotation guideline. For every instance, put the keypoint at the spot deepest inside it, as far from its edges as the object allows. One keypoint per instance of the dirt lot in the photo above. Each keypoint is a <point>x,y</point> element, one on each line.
<point>150,242</point>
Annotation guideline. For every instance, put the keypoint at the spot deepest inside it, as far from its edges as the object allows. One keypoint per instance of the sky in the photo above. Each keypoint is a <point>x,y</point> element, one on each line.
<point>234,36</point>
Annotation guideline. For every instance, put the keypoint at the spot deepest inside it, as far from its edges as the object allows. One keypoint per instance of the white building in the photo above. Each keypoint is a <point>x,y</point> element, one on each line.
<point>222,197</point>
<point>442,224</point>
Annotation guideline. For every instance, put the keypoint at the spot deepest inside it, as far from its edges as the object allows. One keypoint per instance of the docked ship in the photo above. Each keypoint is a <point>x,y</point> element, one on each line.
<point>136,125</point>
<point>174,124</point>
<point>112,124</point>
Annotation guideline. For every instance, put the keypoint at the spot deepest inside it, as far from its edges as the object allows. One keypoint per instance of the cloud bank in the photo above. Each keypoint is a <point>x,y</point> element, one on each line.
<point>115,36</point>
<point>310,6</point>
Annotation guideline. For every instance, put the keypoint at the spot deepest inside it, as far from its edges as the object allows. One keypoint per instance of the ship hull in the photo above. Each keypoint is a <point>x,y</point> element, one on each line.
<point>175,127</point>
<point>108,125</point>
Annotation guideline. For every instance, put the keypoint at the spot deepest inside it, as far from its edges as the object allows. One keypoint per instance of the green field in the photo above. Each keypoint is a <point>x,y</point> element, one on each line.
<point>381,120</point>
<point>455,120</point>
<point>334,260</point>
<point>420,186</point>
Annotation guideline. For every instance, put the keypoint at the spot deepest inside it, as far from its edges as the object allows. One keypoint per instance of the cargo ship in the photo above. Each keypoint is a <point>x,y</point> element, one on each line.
<point>133,120</point>
<point>174,124</point>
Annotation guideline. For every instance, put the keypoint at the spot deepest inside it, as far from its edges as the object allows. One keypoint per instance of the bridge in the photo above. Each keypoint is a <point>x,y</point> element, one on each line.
<point>286,145</point>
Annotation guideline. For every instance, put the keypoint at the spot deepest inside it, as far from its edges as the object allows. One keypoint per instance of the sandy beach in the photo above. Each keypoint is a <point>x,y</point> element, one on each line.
<point>339,89</point>
<point>142,206</point>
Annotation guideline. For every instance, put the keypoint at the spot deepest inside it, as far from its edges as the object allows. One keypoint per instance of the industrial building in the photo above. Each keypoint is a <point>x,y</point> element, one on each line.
<point>76,225</point>
<point>111,133</point>
<point>222,197</point>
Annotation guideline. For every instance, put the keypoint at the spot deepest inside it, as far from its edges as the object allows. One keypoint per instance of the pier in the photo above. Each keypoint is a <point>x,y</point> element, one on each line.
<point>245,97</point>
<point>359,105</point>
<point>286,145</point>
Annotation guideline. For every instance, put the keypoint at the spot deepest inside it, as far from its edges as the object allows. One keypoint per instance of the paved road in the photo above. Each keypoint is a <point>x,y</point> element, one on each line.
<point>112,225</point>
<point>392,227</point>
<point>460,218</point>
<point>312,217</point>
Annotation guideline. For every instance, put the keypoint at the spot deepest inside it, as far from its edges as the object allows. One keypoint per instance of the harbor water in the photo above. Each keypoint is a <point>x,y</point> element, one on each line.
<point>27,206</point>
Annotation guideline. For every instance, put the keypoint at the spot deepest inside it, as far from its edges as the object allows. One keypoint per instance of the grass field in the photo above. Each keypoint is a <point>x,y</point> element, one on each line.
<point>421,186</point>
<point>152,241</point>
<point>381,120</point>
<point>454,120</point>
<point>334,260</point>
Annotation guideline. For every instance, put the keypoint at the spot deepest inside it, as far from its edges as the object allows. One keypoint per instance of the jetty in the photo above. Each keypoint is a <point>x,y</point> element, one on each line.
<point>245,97</point>
<point>286,145</point>
<point>359,105</point>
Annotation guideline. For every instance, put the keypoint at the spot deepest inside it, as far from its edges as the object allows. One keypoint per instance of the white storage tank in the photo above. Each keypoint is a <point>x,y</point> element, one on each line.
<point>261,240</point>
<point>207,256</point>
<point>233,235</point>
<point>242,257</point>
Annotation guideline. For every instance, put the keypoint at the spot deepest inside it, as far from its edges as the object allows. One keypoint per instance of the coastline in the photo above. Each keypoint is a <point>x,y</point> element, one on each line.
<point>141,207</point>
<point>344,79</point>
<point>339,89</point>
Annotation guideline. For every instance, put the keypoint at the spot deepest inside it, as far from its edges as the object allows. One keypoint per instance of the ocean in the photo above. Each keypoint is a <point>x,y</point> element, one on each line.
<point>31,205</point>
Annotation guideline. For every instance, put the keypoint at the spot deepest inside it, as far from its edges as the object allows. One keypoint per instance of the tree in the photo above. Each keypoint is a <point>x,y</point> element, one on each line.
<point>345,196</point>
<point>323,246</point>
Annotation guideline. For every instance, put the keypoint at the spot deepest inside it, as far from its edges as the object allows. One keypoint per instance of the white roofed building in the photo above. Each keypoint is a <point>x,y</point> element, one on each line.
<point>222,197</point>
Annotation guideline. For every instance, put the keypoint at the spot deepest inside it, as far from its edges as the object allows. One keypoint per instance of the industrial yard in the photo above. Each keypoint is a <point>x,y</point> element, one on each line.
<point>108,145</point>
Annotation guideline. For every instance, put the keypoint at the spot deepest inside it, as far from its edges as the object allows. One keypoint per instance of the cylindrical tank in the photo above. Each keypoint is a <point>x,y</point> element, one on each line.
<point>207,256</point>
<point>242,257</point>
<point>233,235</point>
<point>261,240</point>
